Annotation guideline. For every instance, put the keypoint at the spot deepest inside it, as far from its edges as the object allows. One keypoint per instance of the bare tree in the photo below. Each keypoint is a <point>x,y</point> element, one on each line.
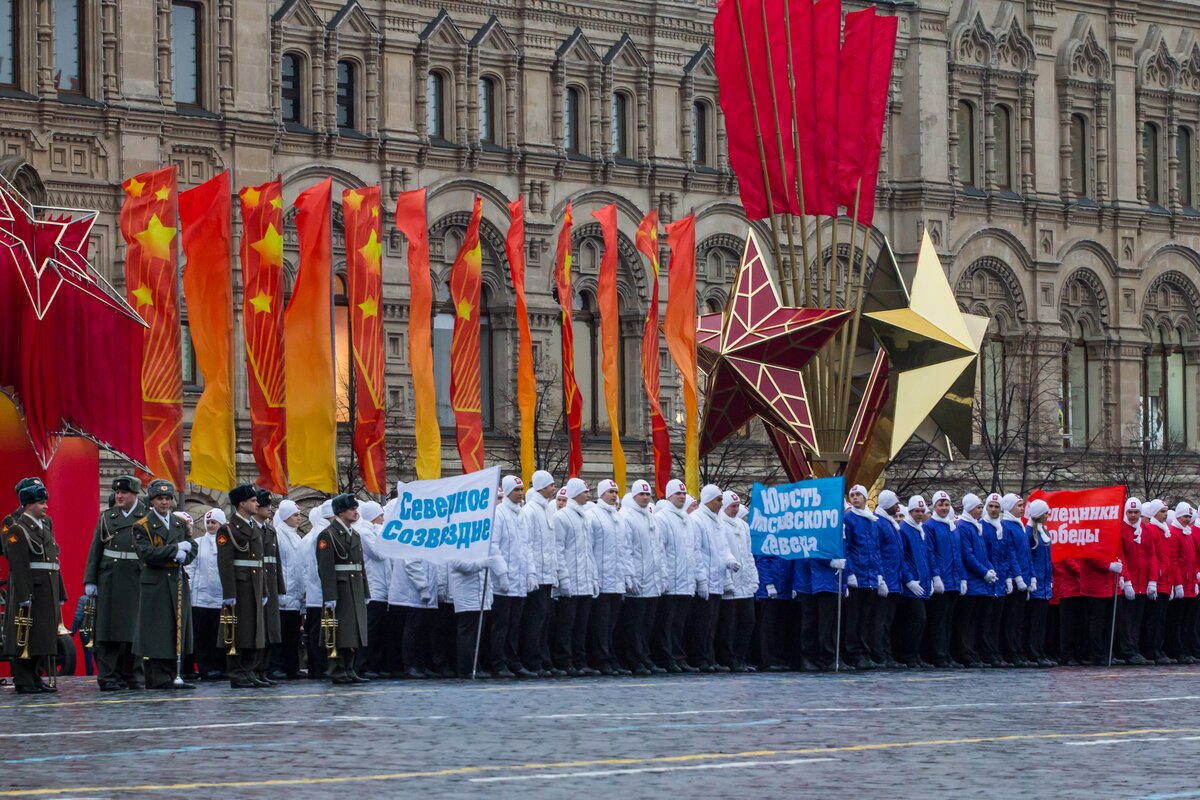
<point>1150,469</point>
<point>735,463</point>
<point>551,440</point>
<point>920,468</point>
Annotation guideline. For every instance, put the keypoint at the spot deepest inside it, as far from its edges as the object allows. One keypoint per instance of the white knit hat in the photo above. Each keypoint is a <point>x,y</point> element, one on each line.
<point>1009,502</point>
<point>510,483</point>
<point>915,502</point>
<point>729,498</point>
<point>888,499</point>
<point>1152,508</point>
<point>540,480</point>
<point>994,497</point>
<point>858,487</point>
<point>575,487</point>
<point>970,502</point>
<point>606,485</point>
<point>640,487</point>
<point>327,509</point>
<point>287,508</point>
<point>675,486</point>
<point>1184,509</point>
<point>1037,509</point>
<point>1133,504</point>
<point>709,493</point>
<point>216,514</point>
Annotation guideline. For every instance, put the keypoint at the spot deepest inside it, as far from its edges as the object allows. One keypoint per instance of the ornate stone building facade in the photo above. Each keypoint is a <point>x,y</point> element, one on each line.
<point>1048,146</point>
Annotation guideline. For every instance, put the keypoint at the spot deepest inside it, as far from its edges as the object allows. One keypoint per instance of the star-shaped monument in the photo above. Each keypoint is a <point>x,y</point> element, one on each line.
<point>754,352</point>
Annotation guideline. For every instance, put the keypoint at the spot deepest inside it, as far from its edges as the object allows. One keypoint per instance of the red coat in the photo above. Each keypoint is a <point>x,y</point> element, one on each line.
<point>1095,578</point>
<point>1189,543</point>
<point>1139,556</point>
<point>1164,549</point>
<point>1066,579</point>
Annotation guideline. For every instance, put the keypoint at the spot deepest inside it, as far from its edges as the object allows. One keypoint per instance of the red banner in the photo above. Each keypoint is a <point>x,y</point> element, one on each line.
<point>647,243</point>
<point>1084,523</point>
<point>466,282</point>
<point>572,401</point>
<point>364,273</point>
<point>262,319</point>
<point>514,247</point>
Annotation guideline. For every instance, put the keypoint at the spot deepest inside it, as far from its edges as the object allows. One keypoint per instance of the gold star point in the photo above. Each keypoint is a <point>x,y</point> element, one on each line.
<point>353,200</point>
<point>372,251</point>
<point>163,193</point>
<point>375,212</point>
<point>369,308</point>
<point>465,309</point>
<point>144,296</point>
<point>261,302</point>
<point>156,239</point>
<point>250,196</point>
<point>134,187</point>
<point>270,246</point>
<point>276,202</point>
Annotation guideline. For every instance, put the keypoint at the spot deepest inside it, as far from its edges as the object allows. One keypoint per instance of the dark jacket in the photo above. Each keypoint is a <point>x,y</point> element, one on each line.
<point>113,565</point>
<point>33,575</point>
<point>273,585</point>
<point>340,567</point>
<point>239,562</point>
<point>157,545</point>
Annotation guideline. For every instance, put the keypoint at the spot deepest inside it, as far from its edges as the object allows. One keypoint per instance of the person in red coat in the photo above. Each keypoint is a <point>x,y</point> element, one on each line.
<point>1154,626</point>
<point>1181,618</point>
<point>1139,564</point>
<point>1191,617</point>
<point>1098,586</point>
<point>1072,613</point>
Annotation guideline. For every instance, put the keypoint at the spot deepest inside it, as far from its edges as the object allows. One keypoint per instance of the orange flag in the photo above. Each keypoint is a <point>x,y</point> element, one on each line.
<point>514,246</point>
<point>206,217</point>
<point>262,320</point>
<point>610,336</point>
<point>308,329</point>
<point>572,401</point>
<point>410,219</point>
<point>152,287</point>
<point>647,243</point>
<point>466,281</point>
<point>364,273</point>
<point>680,326</point>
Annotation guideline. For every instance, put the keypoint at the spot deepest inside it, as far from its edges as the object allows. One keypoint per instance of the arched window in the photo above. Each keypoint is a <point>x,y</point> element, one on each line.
<point>347,94</point>
<point>1080,391</point>
<point>700,133</point>
<point>290,104</point>
<point>435,104</point>
<point>572,135</point>
<point>68,39</point>
<point>341,347</point>
<point>487,110</point>
<point>1080,155</point>
<point>1150,139</point>
<point>620,124</point>
<point>8,42</point>
<point>993,405</point>
<point>1164,401</point>
<point>1183,147</point>
<point>185,53</point>
<point>966,144</point>
<point>1004,159</point>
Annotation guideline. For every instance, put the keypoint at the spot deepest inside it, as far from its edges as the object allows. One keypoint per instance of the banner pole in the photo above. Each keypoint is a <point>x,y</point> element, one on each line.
<point>1112,634</point>
<point>837,634</point>
<point>479,630</point>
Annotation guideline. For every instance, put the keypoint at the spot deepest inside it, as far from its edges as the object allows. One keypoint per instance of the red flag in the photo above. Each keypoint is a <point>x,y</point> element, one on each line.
<point>827,40</point>
<point>879,84</point>
<point>364,273</point>
<point>1085,523</point>
<point>514,246</point>
<point>262,319</point>
<point>610,336</point>
<point>816,36</point>
<point>466,282</point>
<point>647,243</point>
<point>572,401</point>
<point>679,324</point>
<point>148,225</point>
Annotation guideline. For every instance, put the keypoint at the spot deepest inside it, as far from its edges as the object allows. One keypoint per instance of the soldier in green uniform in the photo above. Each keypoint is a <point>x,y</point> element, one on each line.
<point>340,568</point>
<point>165,545</point>
<point>35,587</point>
<point>113,575</point>
<point>272,583</point>
<point>239,561</point>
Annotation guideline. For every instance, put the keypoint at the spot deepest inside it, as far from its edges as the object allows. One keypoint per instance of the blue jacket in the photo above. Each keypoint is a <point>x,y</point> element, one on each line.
<point>1042,564</point>
<point>890,553</point>
<point>975,559</point>
<point>801,577</point>
<point>862,549</point>
<point>824,577</point>
<point>1000,555</point>
<point>915,564</point>
<point>774,571</point>
<point>1018,542</point>
<point>946,559</point>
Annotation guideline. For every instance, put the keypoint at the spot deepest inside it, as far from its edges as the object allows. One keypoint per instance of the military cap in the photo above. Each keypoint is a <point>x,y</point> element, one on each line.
<point>344,502</point>
<point>264,497</point>
<point>242,493</point>
<point>21,484</point>
<point>160,488</point>
<point>32,493</point>
<point>126,483</point>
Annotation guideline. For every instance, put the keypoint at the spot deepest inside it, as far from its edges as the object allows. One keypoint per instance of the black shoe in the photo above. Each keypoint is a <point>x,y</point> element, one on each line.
<point>29,690</point>
<point>111,686</point>
<point>354,676</point>
<point>279,675</point>
<point>371,675</point>
<point>807,665</point>
<point>413,673</point>
<point>521,672</point>
<point>47,688</point>
<point>1046,663</point>
<point>502,673</point>
<point>739,668</point>
<point>342,680</point>
<point>1137,660</point>
<point>709,668</point>
<point>136,687</point>
<point>174,686</point>
<point>750,667</point>
<point>721,668</point>
<point>212,675</point>
<point>656,670</point>
<point>624,673</point>
<point>689,668</point>
<point>916,664</point>
<point>242,684</point>
<point>675,669</point>
<point>924,664</point>
<point>574,673</point>
<point>588,672</point>
<point>860,663</point>
<point>555,672</point>
<point>266,680</point>
<point>642,672</point>
<point>608,672</point>
<point>261,684</point>
<point>1163,661</point>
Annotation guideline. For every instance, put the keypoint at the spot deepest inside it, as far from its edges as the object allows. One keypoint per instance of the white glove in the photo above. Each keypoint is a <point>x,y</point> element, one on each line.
<point>734,566</point>
<point>938,586</point>
<point>838,564</point>
<point>494,563</point>
<point>1128,590</point>
<point>25,604</point>
<point>1008,586</point>
<point>630,586</point>
<point>185,546</point>
<point>1021,587</point>
<point>882,588</point>
<point>331,604</point>
<point>596,588</point>
<point>772,592</point>
<point>1033,584</point>
<point>564,587</point>
<point>1152,590</point>
<point>89,589</point>
<point>962,587</point>
<point>265,599</point>
<point>180,556</point>
<point>916,588</point>
<point>991,576</point>
<point>852,581</point>
<point>1115,567</point>
<point>229,601</point>
<point>701,593</point>
<point>426,595</point>
<point>1177,593</point>
<point>531,584</point>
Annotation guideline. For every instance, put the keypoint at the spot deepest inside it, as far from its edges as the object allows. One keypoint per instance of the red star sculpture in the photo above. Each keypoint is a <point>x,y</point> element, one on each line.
<point>753,354</point>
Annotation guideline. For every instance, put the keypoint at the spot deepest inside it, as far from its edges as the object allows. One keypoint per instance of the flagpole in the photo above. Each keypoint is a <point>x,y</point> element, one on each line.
<point>1112,634</point>
<point>837,633</point>
<point>479,628</point>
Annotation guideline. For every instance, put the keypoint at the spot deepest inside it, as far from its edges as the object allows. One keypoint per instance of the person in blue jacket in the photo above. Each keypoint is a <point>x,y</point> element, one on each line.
<point>887,527</point>
<point>980,577</point>
<point>862,578</point>
<point>947,580</point>
<point>917,574</point>
<point>804,637</point>
<point>1041,586</point>
<point>1012,626</point>
<point>821,609</point>
<point>991,609</point>
<point>770,602</point>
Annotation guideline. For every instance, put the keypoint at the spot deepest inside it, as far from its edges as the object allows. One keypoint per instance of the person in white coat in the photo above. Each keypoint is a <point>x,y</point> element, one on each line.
<point>472,587</point>
<point>318,661</point>
<point>375,660</point>
<point>578,582</point>
<point>413,589</point>
<point>736,623</point>
<point>712,551</point>
<point>649,579</point>
<point>610,544</point>
<point>543,568</point>
<point>285,659</point>
<point>205,585</point>
<point>682,579</point>
<point>510,541</point>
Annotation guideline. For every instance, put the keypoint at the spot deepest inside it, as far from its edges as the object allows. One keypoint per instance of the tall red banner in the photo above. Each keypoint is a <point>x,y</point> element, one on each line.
<point>647,243</point>
<point>364,273</point>
<point>262,320</point>
<point>514,247</point>
<point>610,335</point>
<point>679,325</point>
<point>1084,523</point>
<point>466,281</point>
<point>572,401</point>
<point>148,225</point>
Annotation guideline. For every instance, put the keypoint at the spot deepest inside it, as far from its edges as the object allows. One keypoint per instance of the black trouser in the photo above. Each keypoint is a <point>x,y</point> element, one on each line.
<point>1099,611</point>
<point>442,641</point>
<point>1074,630</point>
<point>638,621</point>
<point>766,624</point>
<point>116,663</point>
<point>342,667</point>
<point>820,625</point>
<point>416,625</point>
<point>467,625</point>
<point>1035,628</point>
<point>314,644</point>
<point>535,629</point>
<point>937,627</point>
<point>393,655</point>
<point>1130,614</point>
<point>910,629</point>
<point>605,614</point>
<point>241,667</point>
<point>1012,625</point>
<point>570,632</point>
<point>859,629</point>
<point>205,623</point>
<point>965,630</point>
<point>1173,635</point>
<point>160,673</point>
<point>1154,626</point>
<point>988,613</point>
<point>670,626</point>
<point>285,656</point>
<point>735,626</point>
<point>1190,636</point>
<point>505,638</point>
<point>803,638</point>
<point>372,658</point>
<point>25,671</point>
<point>881,640</point>
<point>702,631</point>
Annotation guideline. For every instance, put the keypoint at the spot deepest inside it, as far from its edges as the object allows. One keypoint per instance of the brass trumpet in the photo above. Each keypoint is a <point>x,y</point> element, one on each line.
<point>329,626</point>
<point>24,624</point>
<point>228,627</point>
<point>87,628</point>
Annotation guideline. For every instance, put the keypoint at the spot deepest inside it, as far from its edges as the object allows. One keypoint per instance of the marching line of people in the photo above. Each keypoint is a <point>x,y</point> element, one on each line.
<point>579,587</point>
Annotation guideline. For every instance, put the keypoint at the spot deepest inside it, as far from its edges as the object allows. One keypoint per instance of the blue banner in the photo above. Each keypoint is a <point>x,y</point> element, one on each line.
<point>798,520</point>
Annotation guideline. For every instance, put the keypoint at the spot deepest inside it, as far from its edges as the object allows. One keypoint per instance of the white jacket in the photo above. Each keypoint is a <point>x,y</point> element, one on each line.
<point>414,583</point>
<point>610,546</point>
<point>467,584</point>
<point>313,595</point>
<point>679,549</point>
<point>510,540</point>
<point>205,580</point>
<point>743,583</point>
<point>377,566</point>
<point>291,561</point>
<point>712,549</point>
<point>576,562</point>
<point>543,555</point>
<point>645,549</point>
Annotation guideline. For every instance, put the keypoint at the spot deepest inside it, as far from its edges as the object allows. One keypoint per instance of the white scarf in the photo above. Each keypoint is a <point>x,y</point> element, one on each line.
<point>881,514</point>
<point>862,512</point>
<point>1162,526</point>
<point>995,523</point>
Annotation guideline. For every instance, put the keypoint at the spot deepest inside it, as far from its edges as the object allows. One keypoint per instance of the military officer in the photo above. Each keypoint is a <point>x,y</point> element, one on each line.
<point>340,567</point>
<point>165,545</point>
<point>239,561</point>
<point>113,576</point>
<point>35,588</point>
<point>273,585</point>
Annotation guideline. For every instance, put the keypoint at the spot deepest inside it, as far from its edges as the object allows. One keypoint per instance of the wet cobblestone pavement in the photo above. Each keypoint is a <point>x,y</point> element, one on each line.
<point>1060,733</point>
